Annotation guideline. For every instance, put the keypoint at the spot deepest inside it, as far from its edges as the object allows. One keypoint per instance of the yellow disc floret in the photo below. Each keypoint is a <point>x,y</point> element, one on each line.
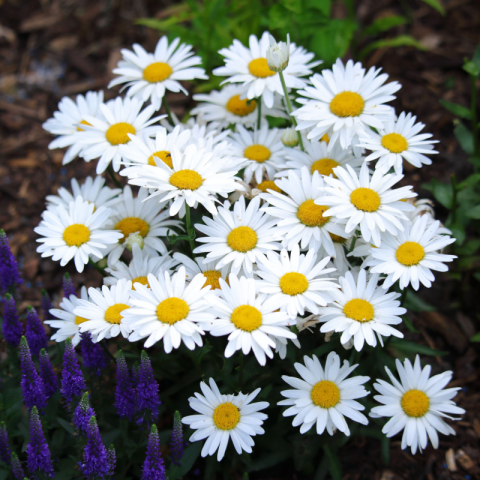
<point>242,239</point>
<point>163,155</point>
<point>293,283</point>
<point>130,225</point>
<point>324,166</point>
<point>114,315</point>
<point>213,279</point>
<point>172,310</point>
<point>325,394</point>
<point>268,185</point>
<point>246,318</point>
<point>83,122</point>
<point>325,138</point>
<point>394,142</point>
<point>157,72</point>
<point>226,416</point>
<point>365,199</point>
<point>347,104</point>
<point>186,179</point>
<point>359,310</point>
<point>415,403</point>
<point>239,107</point>
<point>311,214</point>
<point>117,134</point>
<point>142,279</point>
<point>76,235</point>
<point>337,238</point>
<point>80,320</point>
<point>410,253</point>
<point>258,153</point>
<point>259,68</point>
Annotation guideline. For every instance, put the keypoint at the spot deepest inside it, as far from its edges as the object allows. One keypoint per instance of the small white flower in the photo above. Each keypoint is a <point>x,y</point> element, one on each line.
<point>417,404</point>
<point>278,54</point>
<point>225,417</point>
<point>324,397</point>
<point>290,137</point>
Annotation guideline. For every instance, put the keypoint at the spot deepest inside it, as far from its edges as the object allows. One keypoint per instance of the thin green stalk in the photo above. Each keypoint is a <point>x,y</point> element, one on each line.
<point>476,150</point>
<point>96,267</point>
<point>352,245</point>
<point>259,112</point>
<point>113,176</point>
<point>190,229</point>
<point>167,109</point>
<point>107,351</point>
<point>290,109</point>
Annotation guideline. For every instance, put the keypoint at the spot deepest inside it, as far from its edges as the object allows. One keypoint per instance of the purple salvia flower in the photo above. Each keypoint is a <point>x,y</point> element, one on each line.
<point>12,328</point>
<point>73,383</point>
<point>94,358</point>
<point>125,392</point>
<point>176,443</point>
<point>35,333</point>
<point>33,389</point>
<point>5,450</point>
<point>153,467</point>
<point>39,463</point>
<point>17,469</point>
<point>111,459</point>
<point>46,303</point>
<point>83,413</point>
<point>49,377</point>
<point>68,288</point>
<point>9,274</point>
<point>148,401</point>
<point>95,457</point>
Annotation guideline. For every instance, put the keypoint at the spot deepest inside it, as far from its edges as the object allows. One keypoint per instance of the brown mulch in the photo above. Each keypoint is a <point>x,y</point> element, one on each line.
<point>50,49</point>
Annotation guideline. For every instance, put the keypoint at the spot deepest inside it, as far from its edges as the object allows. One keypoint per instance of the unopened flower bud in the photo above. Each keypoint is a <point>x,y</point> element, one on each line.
<point>278,55</point>
<point>290,137</point>
<point>134,239</point>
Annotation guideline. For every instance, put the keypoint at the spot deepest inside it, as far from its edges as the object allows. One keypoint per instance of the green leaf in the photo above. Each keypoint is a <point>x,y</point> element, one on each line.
<point>189,457</point>
<point>441,191</point>
<point>334,466</point>
<point>436,4</point>
<point>323,6</point>
<point>470,181</point>
<point>268,461</point>
<point>399,41</point>
<point>412,347</point>
<point>476,337</point>
<point>66,425</point>
<point>292,5</point>
<point>416,304</point>
<point>384,24</point>
<point>464,137</point>
<point>471,68</point>
<point>474,212</point>
<point>458,110</point>
<point>110,437</point>
<point>458,232</point>
<point>409,324</point>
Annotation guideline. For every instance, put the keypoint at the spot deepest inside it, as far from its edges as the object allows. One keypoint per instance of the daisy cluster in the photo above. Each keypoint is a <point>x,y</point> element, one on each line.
<point>310,224</point>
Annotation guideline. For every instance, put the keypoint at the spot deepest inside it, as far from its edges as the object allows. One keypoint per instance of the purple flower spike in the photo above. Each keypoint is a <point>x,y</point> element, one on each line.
<point>49,377</point>
<point>33,389</point>
<point>176,444</point>
<point>73,383</point>
<point>17,469</point>
<point>111,459</point>
<point>12,328</point>
<point>35,333</point>
<point>39,463</point>
<point>125,392</point>
<point>83,413</point>
<point>46,304</point>
<point>153,467</point>
<point>94,358</point>
<point>148,401</point>
<point>68,288</point>
<point>5,450</point>
<point>9,274</point>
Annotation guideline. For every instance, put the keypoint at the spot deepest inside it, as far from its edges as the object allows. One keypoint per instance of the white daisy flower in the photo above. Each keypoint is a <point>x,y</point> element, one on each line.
<point>105,311</point>
<point>93,191</point>
<point>294,281</point>
<point>228,108</point>
<point>411,255</point>
<point>169,310</point>
<point>103,135</point>
<point>68,323</point>
<point>249,67</point>
<point>66,122</point>
<point>339,260</point>
<point>148,75</point>
<point>135,216</point>
<point>77,233</point>
<point>240,237</point>
<point>299,219</point>
<point>225,417</point>
<point>347,99</point>
<point>360,310</point>
<point>262,150</point>
<point>367,202</point>
<point>325,396</point>
<point>424,206</point>
<point>417,404</point>
<point>250,321</point>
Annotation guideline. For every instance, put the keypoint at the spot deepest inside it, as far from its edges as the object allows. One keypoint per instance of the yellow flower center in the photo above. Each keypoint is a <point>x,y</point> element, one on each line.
<point>142,279</point>
<point>240,107</point>
<point>293,283</point>
<point>186,179</point>
<point>80,320</point>
<point>258,153</point>
<point>157,72</point>
<point>394,142</point>
<point>114,315</point>
<point>83,122</point>
<point>117,133</point>
<point>365,199</point>
<point>324,166</point>
<point>410,253</point>
<point>311,214</point>
<point>337,238</point>
<point>130,225</point>
<point>163,155</point>
<point>359,310</point>
<point>246,318</point>
<point>242,239</point>
<point>226,416</point>
<point>213,279</point>
<point>325,394</point>
<point>325,138</point>
<point>172,310</point>
<point>415,403</point>
<point>347,104</point>
<point>76,235</point>
<point>268,185</point>
<point>259,68</point>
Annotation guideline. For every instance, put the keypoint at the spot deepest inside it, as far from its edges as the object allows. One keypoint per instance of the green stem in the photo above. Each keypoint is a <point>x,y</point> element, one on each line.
<point>167,109</point>
<point>190,228</point>
<point>290,109</point>
<point>352,245</point>
<point>476,151</point>
<point>114,177</point>
<point>107,351</point>
<point>453,180</point>
<point>96,267</point>
<point>259,112</point>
